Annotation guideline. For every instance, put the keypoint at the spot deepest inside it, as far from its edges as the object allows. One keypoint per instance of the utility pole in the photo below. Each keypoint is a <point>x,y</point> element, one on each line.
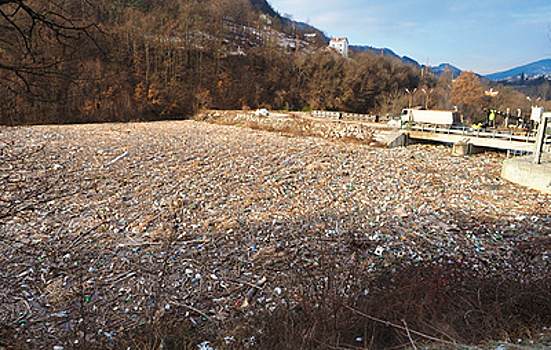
<point>410,93</point>
<point>507,117</point>
<point>540,138</point>
<point>425,70</point>
<point>427,93</point>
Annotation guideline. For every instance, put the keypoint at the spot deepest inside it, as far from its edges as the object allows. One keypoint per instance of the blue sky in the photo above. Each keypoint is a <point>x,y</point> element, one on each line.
<point>485,36</point>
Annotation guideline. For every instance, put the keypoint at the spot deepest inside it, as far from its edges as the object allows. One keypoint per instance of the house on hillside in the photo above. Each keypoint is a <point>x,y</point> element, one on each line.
<point>340,45</point>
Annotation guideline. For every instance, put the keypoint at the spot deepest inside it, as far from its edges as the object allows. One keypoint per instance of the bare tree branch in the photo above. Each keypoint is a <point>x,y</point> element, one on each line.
<point>37,39</point>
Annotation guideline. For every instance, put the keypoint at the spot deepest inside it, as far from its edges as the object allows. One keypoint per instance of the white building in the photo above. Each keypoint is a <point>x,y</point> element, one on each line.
<point>340,45</point>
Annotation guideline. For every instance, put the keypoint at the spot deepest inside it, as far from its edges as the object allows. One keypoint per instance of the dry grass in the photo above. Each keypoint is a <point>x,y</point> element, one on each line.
<point>429,301</point>
<point>439,305</point>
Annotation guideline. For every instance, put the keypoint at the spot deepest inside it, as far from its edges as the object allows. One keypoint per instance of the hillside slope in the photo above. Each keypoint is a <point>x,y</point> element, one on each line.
<point>264,7</point>
<point>535,68</point>
<point>169,59</point>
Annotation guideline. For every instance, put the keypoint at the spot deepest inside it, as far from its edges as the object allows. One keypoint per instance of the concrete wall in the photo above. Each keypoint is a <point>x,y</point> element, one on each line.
<point>350,116</point>
<point>523,171</point>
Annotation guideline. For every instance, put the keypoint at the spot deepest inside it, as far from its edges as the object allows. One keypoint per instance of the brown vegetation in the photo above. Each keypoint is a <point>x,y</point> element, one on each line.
<point>92,61</point>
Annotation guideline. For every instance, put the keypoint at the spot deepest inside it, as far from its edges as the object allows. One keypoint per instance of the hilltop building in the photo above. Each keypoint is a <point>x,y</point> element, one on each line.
<point>340,45</point>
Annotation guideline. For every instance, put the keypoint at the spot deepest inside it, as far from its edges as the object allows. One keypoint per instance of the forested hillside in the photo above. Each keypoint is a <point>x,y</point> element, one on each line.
<point>67,61</point>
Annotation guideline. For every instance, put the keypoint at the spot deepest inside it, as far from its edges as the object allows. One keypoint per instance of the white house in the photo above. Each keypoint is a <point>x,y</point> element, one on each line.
<point>340,45</point>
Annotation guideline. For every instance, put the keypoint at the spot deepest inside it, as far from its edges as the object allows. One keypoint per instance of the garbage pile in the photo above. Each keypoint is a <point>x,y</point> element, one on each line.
<point>106,229</point>
<point>295,124</point>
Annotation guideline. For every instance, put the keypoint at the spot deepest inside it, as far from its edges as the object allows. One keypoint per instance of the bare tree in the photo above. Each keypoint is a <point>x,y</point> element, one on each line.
<point>38,38</point>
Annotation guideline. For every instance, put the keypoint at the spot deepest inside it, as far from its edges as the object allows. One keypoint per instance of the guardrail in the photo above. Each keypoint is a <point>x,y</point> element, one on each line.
<point>327,114</point>
<point>505,135</point>
<point>350,116</point>
<point>465,131</point>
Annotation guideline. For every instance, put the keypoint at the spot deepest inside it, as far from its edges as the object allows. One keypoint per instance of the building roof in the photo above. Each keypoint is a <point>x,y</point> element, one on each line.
<point>339,39</point>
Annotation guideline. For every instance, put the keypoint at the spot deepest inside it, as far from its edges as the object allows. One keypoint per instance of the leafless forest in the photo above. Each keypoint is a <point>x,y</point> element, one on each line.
<point>84,61</point>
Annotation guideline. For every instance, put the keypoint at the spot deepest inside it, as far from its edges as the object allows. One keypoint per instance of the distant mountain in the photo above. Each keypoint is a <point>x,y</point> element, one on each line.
<point>446,67</point>
<point>383,52</point>
<point>410,61</point>
<point>542,67</point>
<point>438,70</point>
